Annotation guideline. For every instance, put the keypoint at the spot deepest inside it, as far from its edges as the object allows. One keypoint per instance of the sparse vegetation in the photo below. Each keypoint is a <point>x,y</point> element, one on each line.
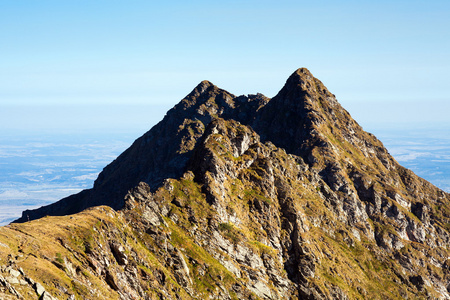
<point>319,210</point>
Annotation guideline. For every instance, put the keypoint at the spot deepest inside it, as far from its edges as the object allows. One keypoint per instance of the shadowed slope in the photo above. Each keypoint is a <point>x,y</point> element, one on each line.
<point>160,153</point>
<point>249,197</point>
<point>304,118</point>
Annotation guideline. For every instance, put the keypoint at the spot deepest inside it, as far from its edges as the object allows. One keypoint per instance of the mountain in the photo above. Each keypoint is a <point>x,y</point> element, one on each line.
<point>241,198</point>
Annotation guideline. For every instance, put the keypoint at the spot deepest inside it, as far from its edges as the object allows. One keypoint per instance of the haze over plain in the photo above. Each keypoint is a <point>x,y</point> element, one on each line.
<point>114,68</point>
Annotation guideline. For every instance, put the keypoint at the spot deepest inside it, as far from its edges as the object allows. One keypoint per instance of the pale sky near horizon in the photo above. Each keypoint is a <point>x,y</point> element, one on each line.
<point>383,59</point>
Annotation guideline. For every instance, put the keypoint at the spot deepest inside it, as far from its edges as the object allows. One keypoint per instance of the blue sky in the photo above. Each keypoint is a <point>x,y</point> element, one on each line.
<point>97,71</point>
<point>386,61</point>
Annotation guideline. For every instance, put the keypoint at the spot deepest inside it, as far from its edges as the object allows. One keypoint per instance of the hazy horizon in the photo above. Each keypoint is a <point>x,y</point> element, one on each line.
<point>83,65</point>
<point>48,162</point>
<point>86,70</point>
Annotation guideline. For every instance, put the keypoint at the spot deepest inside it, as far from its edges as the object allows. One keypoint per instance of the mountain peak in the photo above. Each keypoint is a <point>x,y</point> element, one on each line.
<point>201,88</point>
<point>302,83</point>
<point>203,85</point>
<point>300,76</point>
<point>300,202</point>
<point>303,72</point>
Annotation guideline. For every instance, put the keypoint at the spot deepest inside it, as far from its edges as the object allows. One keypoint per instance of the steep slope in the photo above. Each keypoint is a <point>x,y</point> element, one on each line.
<point>160,153</point>
<point>245,221</point>
<point>268,198</point>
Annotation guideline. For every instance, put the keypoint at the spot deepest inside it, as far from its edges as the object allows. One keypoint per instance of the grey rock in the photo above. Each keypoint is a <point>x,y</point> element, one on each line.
<point>12,280</point>
<point>119,253</point>
<point>46,296</point>
<point>261,290</point>
<point>14,273</point>
<point>39,288</point>
<point>295,179</point>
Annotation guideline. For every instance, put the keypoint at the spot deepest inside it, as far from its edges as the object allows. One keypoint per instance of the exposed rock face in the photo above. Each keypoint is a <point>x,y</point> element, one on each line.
<point>243,198</point>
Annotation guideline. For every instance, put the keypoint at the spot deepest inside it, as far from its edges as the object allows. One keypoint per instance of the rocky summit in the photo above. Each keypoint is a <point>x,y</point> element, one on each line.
<point>240,197</point>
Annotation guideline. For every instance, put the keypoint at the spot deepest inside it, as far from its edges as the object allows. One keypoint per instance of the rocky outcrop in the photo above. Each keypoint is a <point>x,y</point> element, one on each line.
<point>246,198</point>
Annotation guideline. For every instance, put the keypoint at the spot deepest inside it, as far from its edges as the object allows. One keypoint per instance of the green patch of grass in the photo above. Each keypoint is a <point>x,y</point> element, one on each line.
<point>264,249</point>
<point>59,258</point>
<point>255,193</point>
<point>230,232</point>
